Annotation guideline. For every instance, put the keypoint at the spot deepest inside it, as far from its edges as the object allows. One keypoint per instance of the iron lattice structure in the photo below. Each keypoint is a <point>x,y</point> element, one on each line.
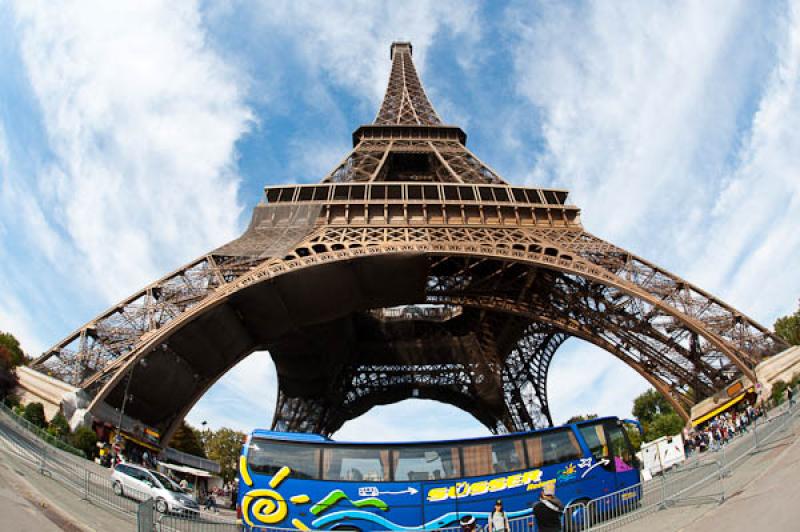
<point>412,270</point>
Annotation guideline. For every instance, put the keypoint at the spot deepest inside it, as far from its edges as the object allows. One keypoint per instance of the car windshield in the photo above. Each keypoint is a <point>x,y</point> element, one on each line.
<point>166,482</point>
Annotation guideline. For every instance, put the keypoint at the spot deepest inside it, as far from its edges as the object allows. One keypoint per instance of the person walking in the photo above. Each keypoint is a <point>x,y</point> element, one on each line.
<point>790,395</point>
<point>548,510</point>
<point>498,521</point>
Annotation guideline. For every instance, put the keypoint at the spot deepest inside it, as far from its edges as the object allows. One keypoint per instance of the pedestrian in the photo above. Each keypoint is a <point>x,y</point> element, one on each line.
<point>790,395</point>
<point>498,521</point>
<point>467,523</point>
<point>548,510</point>
<point>211,503</point>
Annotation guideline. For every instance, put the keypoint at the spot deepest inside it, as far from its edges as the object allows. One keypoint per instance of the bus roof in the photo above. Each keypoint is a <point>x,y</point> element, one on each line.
<point>308,437</point>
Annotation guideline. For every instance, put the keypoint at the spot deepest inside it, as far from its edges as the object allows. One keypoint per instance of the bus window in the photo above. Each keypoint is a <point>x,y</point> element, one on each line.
<point>355,464</point>
<point>420,463</point>
<point>620,448</point>
<point>267,457</point>
<point>595,439</point>
<point>552,447</point>
<point>490,458</point>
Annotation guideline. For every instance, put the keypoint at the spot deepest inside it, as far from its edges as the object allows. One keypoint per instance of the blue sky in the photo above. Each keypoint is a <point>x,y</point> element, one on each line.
<point>136,137</point>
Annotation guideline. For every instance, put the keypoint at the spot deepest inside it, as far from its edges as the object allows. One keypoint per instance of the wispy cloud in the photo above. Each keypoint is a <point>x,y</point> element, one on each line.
<point>141,117</point>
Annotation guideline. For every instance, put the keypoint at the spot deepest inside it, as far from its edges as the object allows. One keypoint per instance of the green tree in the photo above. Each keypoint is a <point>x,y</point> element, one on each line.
<point>649,405</point>
<point>634,436</point>
<point>779,392</point>
<point>581,417</point>
<point>224,447</point>
<point>34,412</point>
<point>85,440</point>
<point>8,378</point>
<point>59,427</point>
<point>8,341</point>
<point>187,439</point>
<point>664,425</point>
<point>788,327</point>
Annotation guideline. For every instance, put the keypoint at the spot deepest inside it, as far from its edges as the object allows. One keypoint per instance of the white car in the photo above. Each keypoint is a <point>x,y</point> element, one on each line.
<point>141,484</point>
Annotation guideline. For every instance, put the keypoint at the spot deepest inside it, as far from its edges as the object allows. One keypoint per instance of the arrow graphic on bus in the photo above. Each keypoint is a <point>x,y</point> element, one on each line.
<point>372,491</point>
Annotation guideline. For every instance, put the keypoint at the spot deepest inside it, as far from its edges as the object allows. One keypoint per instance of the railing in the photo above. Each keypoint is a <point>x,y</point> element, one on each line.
<point>40,432</point>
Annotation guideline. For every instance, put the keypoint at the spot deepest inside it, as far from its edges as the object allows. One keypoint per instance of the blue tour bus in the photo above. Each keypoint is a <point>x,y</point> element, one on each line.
<point>309,482</point>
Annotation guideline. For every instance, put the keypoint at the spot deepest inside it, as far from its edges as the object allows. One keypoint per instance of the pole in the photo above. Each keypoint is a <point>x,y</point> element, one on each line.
<point>122,408</point>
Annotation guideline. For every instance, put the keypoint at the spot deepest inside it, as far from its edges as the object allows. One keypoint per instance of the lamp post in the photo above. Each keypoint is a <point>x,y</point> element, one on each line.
<point>125,398</point>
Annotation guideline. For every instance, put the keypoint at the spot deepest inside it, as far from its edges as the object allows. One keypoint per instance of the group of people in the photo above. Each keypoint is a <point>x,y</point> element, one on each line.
<point>547,512</point>
<point>111,455</point>
<point>721,429</point>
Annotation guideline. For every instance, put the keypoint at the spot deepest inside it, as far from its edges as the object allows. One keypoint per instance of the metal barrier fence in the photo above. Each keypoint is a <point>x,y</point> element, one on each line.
<point>700,479</point>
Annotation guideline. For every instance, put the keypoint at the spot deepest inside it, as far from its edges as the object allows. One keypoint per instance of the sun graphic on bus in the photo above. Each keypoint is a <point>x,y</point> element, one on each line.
<point>268,506</point>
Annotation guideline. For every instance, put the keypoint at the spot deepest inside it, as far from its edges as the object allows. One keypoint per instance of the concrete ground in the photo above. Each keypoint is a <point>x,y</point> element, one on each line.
<point>32,501</point>
<point>760,494</point>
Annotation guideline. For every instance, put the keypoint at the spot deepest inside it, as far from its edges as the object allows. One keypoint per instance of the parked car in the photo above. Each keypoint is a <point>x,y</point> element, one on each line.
<point>141,484</point>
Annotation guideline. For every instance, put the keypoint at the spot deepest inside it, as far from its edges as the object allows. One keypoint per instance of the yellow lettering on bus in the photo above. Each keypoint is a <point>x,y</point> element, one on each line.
<point>437,494</point>
<point>531,476</point>
<point>514,481</point>
<point>479,488</point>
<point>497,484</point>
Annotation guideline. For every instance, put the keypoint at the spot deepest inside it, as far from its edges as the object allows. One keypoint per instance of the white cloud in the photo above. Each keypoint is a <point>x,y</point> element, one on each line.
<point>243,399</point>
<point>141,116</point>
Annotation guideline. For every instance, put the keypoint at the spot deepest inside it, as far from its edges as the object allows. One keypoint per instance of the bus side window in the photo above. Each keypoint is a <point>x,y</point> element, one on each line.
<point>420,463</point>
<point>355,464</point>
<point>552,447</point>
<point>267,458</point>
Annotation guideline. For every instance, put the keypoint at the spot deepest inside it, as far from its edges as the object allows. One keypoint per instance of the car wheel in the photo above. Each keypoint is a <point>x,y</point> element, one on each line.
<point>117,487</point>
<point>161,506</point>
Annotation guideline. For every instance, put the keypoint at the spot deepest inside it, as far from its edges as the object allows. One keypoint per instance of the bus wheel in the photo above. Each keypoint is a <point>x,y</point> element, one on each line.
<point>347,527</point>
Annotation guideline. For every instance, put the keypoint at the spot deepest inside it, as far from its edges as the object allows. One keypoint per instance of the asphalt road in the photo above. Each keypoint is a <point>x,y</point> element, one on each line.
<point>20,509</point>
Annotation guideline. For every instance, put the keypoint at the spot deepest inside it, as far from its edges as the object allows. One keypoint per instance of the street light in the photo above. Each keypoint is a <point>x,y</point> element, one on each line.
<point>125,397</point>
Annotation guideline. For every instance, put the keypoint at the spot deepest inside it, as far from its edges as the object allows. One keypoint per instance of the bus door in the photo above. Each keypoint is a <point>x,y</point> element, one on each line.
<point>625,464</point>
<point>601,473</point>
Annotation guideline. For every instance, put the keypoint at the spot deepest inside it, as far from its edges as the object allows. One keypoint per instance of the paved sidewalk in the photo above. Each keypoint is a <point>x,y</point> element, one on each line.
<point>57,508</point>
<point>761,494</point>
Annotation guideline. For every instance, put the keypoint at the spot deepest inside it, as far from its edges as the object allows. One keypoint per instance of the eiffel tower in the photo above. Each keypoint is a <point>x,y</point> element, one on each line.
<point>411,270</point>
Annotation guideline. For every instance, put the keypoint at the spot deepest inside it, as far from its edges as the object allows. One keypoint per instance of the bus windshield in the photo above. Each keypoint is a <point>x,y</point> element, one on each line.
<point>322,484</point>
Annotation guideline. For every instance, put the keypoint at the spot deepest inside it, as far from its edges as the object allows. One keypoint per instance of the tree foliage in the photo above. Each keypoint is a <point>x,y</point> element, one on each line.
<point>788,327</point>
<point>34,413</point>
<point>59,427</point>
<point>779,391</point>
<point>581,417</point>
<point>8,341</point>
<point>649,405</point>
<point>224,447</point>
<point>187,439</point>
<point>8,378</point>
<point>85,440</point>
<point>656,415</point>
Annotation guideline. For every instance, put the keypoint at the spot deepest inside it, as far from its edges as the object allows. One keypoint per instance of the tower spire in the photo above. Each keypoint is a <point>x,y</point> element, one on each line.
<point>405,102</point>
